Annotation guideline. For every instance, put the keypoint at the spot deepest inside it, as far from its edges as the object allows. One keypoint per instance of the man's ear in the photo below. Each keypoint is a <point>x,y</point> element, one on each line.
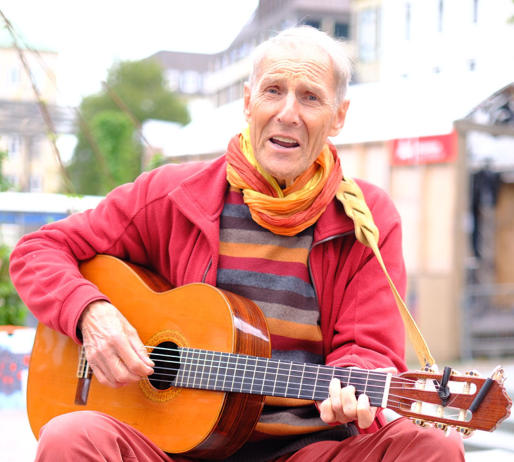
<point>339,118</point>
<point>247,97</point>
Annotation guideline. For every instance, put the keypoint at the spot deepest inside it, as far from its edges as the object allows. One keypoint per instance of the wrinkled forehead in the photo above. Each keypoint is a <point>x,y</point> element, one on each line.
<point>297,61</point>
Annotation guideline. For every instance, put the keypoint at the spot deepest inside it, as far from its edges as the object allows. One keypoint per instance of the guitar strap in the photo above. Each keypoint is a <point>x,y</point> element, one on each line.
<point>367,233</point>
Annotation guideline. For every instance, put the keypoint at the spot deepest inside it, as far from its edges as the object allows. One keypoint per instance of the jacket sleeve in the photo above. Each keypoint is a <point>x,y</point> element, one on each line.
<point>366,327</point>
<point>44,264</point>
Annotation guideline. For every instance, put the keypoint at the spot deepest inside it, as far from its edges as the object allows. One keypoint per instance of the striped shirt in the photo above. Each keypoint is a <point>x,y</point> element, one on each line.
<point>272,271</point>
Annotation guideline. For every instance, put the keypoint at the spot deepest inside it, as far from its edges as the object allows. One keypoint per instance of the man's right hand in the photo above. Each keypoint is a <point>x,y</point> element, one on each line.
<point>113,348</point>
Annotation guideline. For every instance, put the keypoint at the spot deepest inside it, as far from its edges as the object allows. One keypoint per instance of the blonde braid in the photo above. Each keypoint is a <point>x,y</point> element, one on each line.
<point>356,208</point>
<point>366,232</point>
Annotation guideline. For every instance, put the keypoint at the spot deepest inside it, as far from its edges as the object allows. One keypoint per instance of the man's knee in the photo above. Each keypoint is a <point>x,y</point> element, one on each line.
<point>70,435</point>
<point>435,444</point>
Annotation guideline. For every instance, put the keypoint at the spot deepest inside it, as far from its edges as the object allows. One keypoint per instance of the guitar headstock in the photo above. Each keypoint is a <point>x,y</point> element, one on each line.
<point>473,402</point>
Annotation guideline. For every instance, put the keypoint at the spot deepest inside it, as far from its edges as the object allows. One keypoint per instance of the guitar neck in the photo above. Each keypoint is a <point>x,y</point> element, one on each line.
<point>228,372</point>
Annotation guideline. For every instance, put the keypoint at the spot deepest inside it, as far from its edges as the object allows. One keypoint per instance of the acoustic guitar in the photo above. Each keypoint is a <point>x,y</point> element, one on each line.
<point>213,369</point>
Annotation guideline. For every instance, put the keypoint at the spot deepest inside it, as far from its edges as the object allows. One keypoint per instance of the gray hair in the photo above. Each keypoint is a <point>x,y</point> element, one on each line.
<point>335,50</point>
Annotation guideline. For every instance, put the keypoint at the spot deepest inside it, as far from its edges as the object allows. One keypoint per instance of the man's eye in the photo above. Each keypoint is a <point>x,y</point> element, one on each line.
<point>272,90</point>
<point>311,97</point>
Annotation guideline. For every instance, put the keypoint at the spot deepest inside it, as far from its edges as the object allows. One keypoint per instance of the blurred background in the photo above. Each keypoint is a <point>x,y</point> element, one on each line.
<point>93,93</point>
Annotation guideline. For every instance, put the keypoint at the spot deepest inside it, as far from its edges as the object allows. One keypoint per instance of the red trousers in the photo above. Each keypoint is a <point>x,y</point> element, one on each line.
<point>91,436</point>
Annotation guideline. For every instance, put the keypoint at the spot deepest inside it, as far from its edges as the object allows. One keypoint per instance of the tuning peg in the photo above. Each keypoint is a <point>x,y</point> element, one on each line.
<point>420,422</point>
<point>441,426</point>
<point>472,373</point>
<point>466,432</point>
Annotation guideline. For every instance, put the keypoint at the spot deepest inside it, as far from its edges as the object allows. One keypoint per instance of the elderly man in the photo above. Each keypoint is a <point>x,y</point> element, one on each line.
<point>262,221</point>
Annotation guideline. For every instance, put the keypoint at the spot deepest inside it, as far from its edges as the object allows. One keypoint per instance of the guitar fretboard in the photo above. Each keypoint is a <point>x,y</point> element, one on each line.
<point>228,372</point>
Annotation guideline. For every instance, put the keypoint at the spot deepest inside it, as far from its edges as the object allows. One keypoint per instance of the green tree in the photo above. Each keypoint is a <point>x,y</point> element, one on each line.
<point>109,148</point>
<point>12,309</point>
<point>4,184</point>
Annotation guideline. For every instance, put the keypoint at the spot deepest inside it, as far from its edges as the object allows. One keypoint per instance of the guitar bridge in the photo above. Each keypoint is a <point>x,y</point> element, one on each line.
<point>84,374</point>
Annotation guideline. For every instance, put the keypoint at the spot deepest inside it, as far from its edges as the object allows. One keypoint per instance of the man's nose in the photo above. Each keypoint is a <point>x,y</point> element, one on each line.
<point>289,110</point>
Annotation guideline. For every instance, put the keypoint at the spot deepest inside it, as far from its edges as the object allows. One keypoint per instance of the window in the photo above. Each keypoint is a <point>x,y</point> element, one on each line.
<point>312,23</point>
<point>475,11</point>
<point>341,30</point>
<point>14,76</point>
<point>368,34</point>
<point>190,82</point>
<point>14,147</point>
<point>407,21</point>
<point>35,183</point>
<point>440,14</point>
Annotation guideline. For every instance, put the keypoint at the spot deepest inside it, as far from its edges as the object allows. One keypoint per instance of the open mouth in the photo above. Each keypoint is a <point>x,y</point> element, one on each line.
<point>284,142</point>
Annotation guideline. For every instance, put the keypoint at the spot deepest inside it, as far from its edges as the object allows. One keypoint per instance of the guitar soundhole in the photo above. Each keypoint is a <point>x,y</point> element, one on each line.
<point>166,358</point>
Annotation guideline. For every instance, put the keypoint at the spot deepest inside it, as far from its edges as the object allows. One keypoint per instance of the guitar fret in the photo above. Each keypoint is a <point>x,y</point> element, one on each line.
<point>315,383</point>
<point>295,377</point>
<point>181,374</point>
<point>221,369</point>
<point>254,374</point>
<point>276,377</point>
<point>234,372</point>
<point>288,377</point>
<point>264,377</point>
<point>202,362</point>
<point>301,380</point>
<point>196,360</point>
<point>243,375</point>
<point>210,354</point>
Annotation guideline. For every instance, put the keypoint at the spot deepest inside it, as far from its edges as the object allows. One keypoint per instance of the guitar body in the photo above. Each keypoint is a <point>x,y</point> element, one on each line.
<point>197,423</point>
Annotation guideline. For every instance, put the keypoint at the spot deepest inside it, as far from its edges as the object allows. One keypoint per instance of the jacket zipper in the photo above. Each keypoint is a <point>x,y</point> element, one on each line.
<point>327,239</point>
<point>207,270</point>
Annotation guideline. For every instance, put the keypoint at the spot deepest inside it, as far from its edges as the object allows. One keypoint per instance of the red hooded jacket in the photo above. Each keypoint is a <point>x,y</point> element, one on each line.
<point>168,220</point>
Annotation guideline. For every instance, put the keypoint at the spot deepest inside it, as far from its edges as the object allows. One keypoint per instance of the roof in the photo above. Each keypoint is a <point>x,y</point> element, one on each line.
<point>46,202</point>
<point>378,112</point>
<point>183,60</point>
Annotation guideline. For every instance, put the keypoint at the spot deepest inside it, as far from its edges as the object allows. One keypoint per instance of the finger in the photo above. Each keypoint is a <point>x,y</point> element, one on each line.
<point>349,403</point>
<point>334,393</point>
<point>129,349</point>
<point>140,350</point>
<point>123,364</point>
<point>365,414</point>
<point>326,412</point>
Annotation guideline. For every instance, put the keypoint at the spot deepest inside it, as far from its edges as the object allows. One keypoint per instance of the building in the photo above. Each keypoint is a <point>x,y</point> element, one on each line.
<point>219,77</point>
<point>421,65</point>
<point>31,163</point>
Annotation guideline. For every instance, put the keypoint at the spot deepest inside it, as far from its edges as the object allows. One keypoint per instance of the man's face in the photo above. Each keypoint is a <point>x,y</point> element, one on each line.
<point>291,109</point>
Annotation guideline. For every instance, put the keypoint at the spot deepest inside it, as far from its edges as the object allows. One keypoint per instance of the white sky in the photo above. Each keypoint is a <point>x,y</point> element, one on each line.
<point>91,35</point>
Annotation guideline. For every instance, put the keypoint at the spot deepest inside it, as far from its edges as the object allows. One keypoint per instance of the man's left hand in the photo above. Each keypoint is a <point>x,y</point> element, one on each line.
<point>342,406</point>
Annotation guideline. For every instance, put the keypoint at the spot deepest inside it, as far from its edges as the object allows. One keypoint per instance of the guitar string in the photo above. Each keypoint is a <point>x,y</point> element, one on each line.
<point>397,383</point>
<point>210,362</point>
<point>400,404</point>
<point>391,403</point>
<point>198,352</point>
<point>162,372</point>
<point>308,375</point>
<point>263,383</point>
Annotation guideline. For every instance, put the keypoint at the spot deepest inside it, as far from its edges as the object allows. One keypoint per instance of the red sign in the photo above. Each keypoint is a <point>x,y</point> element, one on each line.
<point>424,149</point>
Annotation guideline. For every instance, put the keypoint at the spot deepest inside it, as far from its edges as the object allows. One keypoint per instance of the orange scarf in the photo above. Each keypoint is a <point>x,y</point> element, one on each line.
<point>283,211</point>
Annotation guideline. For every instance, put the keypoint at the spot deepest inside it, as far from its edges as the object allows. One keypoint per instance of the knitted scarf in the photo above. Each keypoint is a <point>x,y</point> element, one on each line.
<point>283,211</point>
